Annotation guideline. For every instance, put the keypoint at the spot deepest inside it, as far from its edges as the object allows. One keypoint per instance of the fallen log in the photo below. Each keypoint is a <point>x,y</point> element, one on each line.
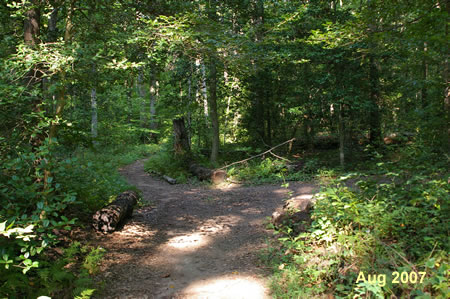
<point>110,217</point>
<point>216,176</point>
<point>169,180</point>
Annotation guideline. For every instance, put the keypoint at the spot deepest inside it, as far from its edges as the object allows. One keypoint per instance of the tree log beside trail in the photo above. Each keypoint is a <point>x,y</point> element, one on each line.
<point>169,179</point>
<point>216,176</point>
<point>108,219</point>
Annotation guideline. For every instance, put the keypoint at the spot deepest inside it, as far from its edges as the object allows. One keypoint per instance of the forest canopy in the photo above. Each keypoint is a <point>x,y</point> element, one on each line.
<point>88,86</point>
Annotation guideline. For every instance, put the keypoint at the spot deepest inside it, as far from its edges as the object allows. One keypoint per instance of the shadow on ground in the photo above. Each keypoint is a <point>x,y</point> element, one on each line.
<point>196,243</point>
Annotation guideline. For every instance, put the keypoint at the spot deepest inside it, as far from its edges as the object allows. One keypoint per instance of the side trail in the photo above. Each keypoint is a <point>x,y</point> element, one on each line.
<point>192,241</point>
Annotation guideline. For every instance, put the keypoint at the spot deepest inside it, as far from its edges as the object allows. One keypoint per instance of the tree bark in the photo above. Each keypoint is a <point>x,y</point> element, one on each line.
<point>94,115</point>
<point>181,141</point>
<point>129,87</point>
<point>374,114</point>
<point>446,84</point>
<point>141,92</point>
<point>213,110</point>
<point>113,215</point>
<point>154,86</point>
<point>212,99</point>
<point>216,176</point>
<point>341,137</point>
<point>32,24</point>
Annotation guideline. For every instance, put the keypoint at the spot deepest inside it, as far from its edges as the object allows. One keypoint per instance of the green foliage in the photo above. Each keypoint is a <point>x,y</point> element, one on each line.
<point>32,211</point>
<point>92,174</point>
<point>392,220</point>
<point>164,163</point>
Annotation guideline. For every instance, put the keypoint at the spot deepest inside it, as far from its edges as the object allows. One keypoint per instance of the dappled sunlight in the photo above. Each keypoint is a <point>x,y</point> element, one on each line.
<point>304,196</point>
<point>189,241</point>
<point>202,236</point>
<point>136,230</point>
<point>226,186</point>
<point>228,286</point>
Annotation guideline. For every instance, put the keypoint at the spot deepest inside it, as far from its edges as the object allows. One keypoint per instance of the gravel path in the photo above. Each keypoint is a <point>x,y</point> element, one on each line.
<point>192,241</point>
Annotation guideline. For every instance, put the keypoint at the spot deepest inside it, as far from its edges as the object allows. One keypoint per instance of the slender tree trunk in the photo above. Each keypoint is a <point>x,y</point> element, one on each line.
<point>341,137</point>
<point>141,92</point>
<point>61,95</point>
<point>213,110</point>
<point>374,114</point>
<point>374,85</point>
<point>189,117</point>
<point>94,114</point>
<point>424,91</point>
<point>52,29</point>
<point>446,83</point>
<point>212,100</point>
<point>154,86</point>
<point>204,93</point>
<point>129,87</point>
<point>94,123</point>
<point>226,81</point>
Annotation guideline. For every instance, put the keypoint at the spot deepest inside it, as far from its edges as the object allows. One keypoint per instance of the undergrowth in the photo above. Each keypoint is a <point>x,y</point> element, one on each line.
<point>43,195</point>
<point>268,170</point>
<point>385,236</point>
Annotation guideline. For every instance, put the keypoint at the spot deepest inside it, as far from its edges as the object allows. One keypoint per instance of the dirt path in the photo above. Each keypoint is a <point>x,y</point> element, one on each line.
<point>195,242</point>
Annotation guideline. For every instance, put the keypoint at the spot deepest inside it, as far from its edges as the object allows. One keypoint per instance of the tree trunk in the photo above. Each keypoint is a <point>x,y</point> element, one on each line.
<point>61,95</point>
<point>213,110</point>
<point>446,84</point>
<point>181,141</point>
<point>129,87</point>
<point>341,137</point>
<point>52,29</point>
<point>424,90</point>
<point>113,215</point>
<point>154,87</point>
<point>32,24</point>
<point>141,92</point>
<point>94,119</point>
<point>374,114</point>
<point>189,117</point>
<point>205,94</point>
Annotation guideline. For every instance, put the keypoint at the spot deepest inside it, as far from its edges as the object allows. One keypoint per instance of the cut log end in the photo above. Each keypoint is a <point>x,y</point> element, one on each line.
<point>203,173</point>
<point>110,217</point>
<point>218,176</point>
<point>169,180</point>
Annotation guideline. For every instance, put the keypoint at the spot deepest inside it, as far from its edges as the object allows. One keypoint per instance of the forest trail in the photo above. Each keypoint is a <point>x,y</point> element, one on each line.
<point>192,241</point>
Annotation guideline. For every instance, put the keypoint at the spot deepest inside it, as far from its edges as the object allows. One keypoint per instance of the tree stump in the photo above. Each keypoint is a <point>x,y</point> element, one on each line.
<point>181,143</point>
<point>203,173</point>
<point>110,217</point>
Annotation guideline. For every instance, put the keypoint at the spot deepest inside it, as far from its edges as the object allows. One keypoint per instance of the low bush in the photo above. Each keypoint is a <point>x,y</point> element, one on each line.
<point>394,222</point>
<point>42,194</point>
<point>164,163</point>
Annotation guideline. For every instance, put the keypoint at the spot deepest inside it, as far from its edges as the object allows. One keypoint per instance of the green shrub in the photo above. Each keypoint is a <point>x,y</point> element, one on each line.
<point>394,221</point>
<point>164,163</point>
<point>35,205</point>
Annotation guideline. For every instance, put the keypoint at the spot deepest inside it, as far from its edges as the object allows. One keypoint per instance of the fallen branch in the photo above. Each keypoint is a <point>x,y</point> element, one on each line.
<point>259,155</point>
<point>281,158</point>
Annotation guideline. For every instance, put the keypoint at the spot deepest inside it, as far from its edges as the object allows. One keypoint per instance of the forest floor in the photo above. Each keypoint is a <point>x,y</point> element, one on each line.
<point>192,241</point>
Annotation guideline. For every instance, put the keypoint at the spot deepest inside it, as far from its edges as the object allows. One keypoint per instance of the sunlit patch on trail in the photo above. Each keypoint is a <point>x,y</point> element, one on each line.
<point>189,241</point>
<point>230,286</point>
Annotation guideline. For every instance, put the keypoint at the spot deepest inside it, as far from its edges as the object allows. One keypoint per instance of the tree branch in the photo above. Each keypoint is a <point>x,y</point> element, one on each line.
<point>259,155</point>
